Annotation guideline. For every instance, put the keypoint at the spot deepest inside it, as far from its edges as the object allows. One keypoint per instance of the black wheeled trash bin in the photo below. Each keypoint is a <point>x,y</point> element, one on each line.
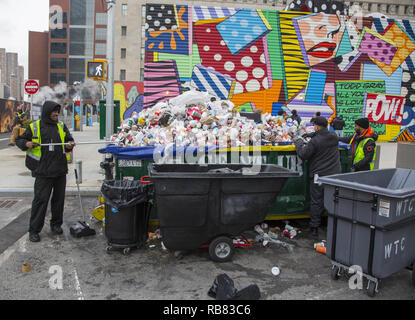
<point>371,223</point>
<point>209,204</point>
<point>127,210</point>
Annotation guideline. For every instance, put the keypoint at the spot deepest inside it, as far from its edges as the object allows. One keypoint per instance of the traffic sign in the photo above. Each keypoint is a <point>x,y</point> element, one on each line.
<point>96,69</point>
<point>31,86</point>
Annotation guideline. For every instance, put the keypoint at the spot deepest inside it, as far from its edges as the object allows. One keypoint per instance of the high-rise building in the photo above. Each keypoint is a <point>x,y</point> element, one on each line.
<point>11,80</point>
<point>77,34</point>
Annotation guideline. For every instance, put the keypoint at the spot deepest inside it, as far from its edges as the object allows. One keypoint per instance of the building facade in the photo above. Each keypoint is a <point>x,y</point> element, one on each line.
<point>77,34</point>
<point>11,78</point>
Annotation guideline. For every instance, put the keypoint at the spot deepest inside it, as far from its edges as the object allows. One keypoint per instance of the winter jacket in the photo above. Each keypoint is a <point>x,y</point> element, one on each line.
<point>338,124</point>
<point>322,152</point>
<point>368,149</point>
<point>53,162</point>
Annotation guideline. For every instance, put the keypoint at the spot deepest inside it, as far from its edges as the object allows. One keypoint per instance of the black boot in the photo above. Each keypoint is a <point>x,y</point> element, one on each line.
<point>56,229</point>
<point>34,237</point>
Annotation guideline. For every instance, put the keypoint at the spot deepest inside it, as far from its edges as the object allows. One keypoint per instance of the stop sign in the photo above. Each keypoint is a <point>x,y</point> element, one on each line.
<point>31,86</point>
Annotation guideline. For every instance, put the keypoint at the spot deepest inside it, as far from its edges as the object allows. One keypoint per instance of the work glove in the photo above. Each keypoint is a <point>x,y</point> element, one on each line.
<point>31,144</point>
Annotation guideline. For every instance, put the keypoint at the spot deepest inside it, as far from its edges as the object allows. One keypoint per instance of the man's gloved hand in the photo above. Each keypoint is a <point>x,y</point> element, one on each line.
<point>70,145</point>
<point>298,140</point>
<point>31,144</point>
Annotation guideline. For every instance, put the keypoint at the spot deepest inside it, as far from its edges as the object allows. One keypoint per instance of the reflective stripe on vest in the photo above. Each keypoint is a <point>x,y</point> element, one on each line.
<point>36,153</point>
<point>360,154</point>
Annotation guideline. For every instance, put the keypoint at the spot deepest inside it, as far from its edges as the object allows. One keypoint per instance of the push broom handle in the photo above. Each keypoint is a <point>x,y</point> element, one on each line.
<point>79,193</point>
<point>78,143</point>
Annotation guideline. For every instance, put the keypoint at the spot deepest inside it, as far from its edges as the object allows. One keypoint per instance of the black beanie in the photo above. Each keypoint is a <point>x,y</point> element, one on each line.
<point>320,121</point>
<point>363,122</point>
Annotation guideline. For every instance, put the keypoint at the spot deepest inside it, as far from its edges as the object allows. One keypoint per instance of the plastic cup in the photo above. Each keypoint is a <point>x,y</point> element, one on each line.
<point>275,271</point>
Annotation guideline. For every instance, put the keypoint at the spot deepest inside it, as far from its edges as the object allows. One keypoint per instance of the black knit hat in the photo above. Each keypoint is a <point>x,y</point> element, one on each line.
<point>363,123</point>
<point>320,121</point>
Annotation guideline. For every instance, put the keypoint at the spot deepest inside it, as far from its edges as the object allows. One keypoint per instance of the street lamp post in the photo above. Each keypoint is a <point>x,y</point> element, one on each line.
<point>110,57</point>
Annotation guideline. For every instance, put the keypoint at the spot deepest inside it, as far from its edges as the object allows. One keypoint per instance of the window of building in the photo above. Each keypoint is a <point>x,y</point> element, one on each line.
<point>78,12</point>
<point>58,63</point>
<point>101,19</point>
<point>100,34</point>
<point>123,31</point>
<point>58,33</point>
<point>77,68</point>
<point>123,53</point>
<point>81,41</point>
<point>100,49</point>
<point>124,9</point>
<point>58,47</point>
<point>122,75</point>
<point>56,77</point>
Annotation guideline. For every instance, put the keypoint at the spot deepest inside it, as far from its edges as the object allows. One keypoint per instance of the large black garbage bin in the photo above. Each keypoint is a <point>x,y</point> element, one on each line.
<point>371,222</point>
<point>127,209</point>
<point>211,203</point>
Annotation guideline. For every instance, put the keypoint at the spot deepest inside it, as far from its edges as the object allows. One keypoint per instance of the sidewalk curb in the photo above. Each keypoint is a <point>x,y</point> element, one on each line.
<point>92,191</point>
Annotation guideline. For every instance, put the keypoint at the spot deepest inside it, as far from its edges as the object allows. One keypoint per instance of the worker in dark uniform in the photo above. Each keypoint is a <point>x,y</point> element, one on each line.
<point>363,146</point>
<point>49,167</point>
<point>322,152</point>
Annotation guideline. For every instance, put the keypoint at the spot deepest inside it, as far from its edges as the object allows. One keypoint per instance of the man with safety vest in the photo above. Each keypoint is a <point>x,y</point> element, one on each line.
<point>18,122</point>
<point>49,167</point>
<point>363,146</point>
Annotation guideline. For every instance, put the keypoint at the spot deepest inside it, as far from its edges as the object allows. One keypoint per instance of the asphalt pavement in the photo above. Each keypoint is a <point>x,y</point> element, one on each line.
<point>65,268</point>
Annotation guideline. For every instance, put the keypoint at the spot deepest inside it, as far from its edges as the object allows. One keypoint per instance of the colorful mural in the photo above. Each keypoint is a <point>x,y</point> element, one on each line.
<point>131,97</point>
<point>312,58</point>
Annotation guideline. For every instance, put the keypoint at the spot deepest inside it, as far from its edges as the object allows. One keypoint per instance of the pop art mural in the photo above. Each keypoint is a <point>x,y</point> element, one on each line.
<point>314,57</point>
<point>131,97</point>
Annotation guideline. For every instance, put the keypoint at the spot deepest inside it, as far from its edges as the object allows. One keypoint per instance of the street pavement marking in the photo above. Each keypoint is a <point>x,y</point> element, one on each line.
<point>4,139</point>
<point>78,286</point>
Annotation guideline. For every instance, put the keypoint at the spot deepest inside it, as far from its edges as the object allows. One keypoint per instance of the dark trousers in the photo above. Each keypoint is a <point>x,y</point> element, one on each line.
<point>43,189</point>
<point>316,203</point>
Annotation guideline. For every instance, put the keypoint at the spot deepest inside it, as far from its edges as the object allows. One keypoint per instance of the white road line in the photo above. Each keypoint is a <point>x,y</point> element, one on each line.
<point>4,139</point>
<point>78,286</point>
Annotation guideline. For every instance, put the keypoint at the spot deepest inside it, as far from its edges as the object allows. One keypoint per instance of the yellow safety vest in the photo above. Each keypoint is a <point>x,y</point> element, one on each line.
<point>360,154</point>
<point>36,153</point>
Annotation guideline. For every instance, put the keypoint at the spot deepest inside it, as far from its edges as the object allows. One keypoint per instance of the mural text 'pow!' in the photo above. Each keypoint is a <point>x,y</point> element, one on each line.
<point>382,108</point>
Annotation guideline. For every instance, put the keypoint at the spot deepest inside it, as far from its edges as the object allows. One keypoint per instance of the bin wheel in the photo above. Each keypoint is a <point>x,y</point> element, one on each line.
<point>335,272</point>
<point>221,249</point>
<point>371,288</point>
<point>126,251</point>
<point>108,249</point>
<point>413,274</point>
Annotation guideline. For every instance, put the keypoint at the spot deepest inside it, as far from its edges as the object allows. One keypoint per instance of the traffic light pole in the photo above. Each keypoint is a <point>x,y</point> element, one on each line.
<point>110,82</point>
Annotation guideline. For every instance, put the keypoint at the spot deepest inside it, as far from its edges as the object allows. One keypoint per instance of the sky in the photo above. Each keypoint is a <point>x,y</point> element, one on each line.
<point>17,17</point>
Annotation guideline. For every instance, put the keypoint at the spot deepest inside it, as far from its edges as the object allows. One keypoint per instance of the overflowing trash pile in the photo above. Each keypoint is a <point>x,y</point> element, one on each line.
<point>199,119</point>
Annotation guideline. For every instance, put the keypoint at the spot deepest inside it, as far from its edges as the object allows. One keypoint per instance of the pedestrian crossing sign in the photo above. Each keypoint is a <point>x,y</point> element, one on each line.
<point>96,70</point>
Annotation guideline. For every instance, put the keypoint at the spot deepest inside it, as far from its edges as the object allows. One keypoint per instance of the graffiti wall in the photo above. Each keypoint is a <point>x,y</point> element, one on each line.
<point>131,97</point>
<point>313,58</point>
<point>8,109</point>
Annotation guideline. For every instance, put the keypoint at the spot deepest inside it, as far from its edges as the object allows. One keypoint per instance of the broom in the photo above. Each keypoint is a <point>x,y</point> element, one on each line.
<point>81,229</point>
